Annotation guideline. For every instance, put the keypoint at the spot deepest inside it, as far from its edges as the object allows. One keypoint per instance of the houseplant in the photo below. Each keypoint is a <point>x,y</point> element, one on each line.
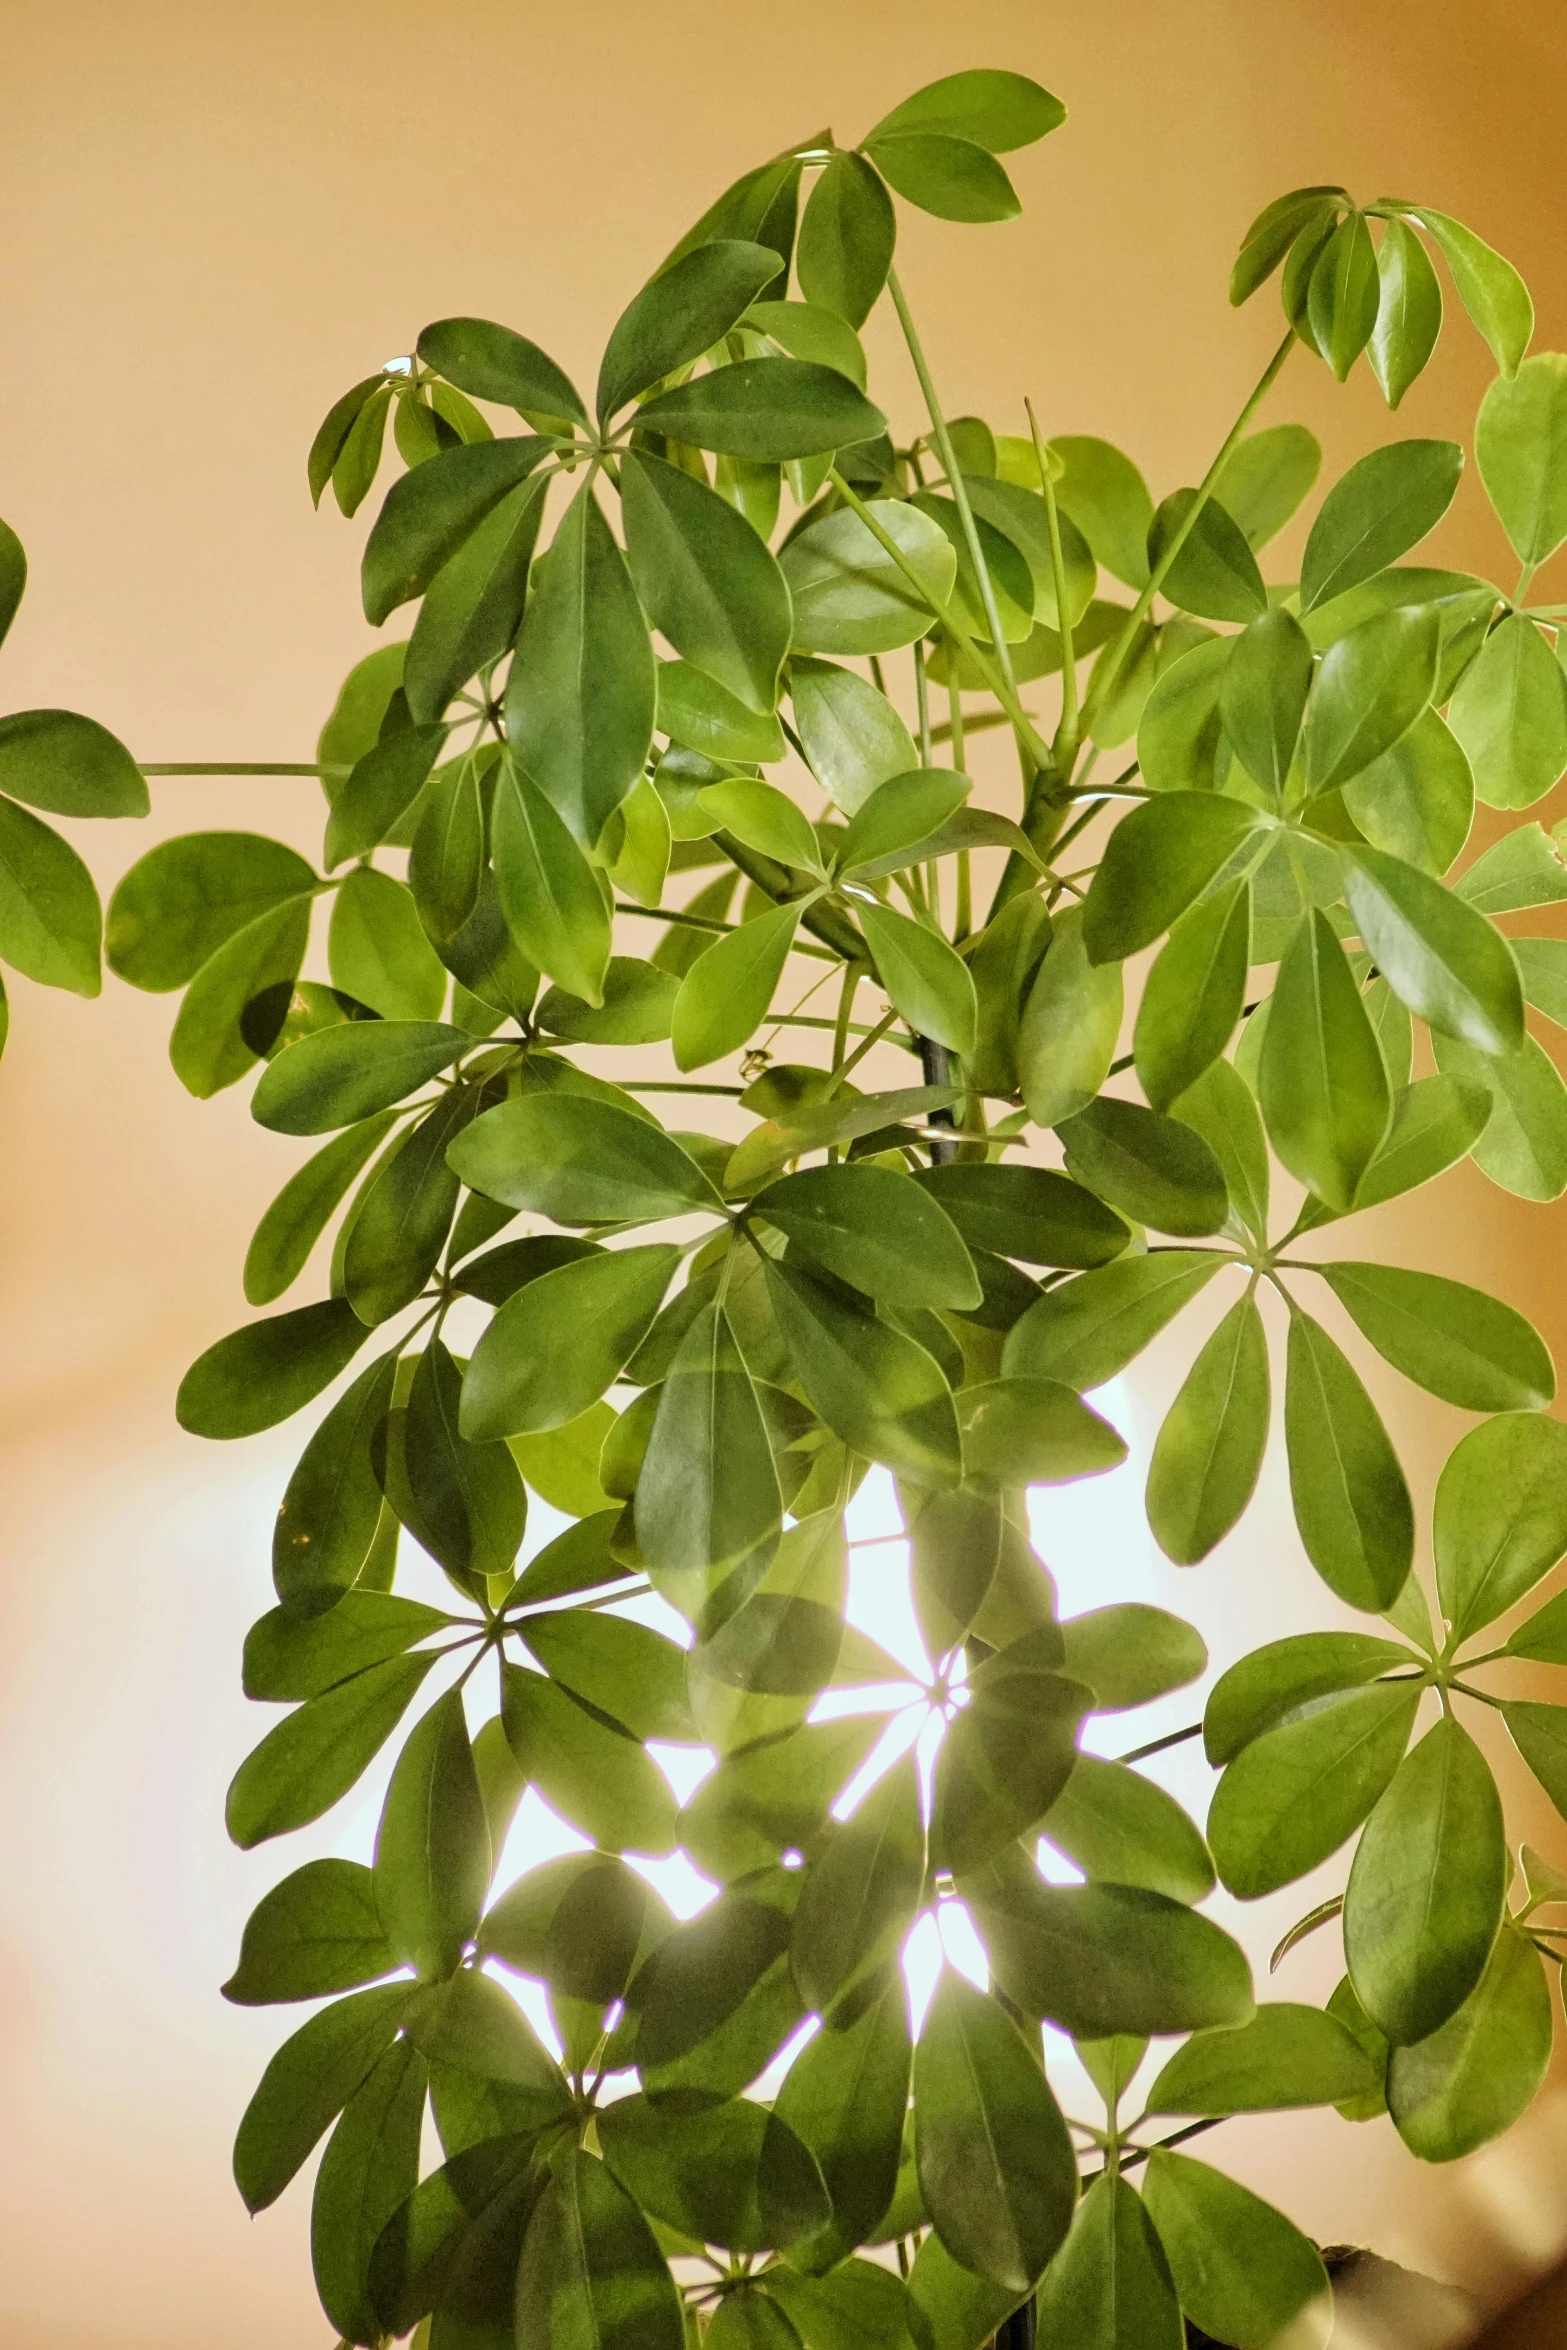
<point>878,1265</point>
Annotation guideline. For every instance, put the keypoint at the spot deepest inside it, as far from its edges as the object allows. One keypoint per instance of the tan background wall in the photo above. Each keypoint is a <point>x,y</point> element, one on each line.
<point>215,219</point>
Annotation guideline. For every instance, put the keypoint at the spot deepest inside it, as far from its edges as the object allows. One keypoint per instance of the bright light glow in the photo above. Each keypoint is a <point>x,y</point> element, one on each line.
<point>962,1945</point>
<point>533,1999</point>
<point>685,1767</point>
<point>922,1963</point>
<point>537,1834</point>
<point>678,1880</point>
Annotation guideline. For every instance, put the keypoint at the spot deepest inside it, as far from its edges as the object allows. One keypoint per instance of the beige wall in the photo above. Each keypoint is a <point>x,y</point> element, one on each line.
<point>216,218</point>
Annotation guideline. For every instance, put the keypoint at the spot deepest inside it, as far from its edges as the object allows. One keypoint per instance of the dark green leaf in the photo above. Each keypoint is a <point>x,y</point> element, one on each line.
<point>1501,1517</point>
<point>734,2175</point>
<point>1158,860</point>
<point>1101,1959</point>
<point>315,1755</point>
<point>1324,1086</point>
<point>13,577</point>
<point>179,903</point>
<point>696,710</point>
<point>725,995</point>
<point>1286,2056</point>
<point>494,363</point>
<point>431,511</point>
<point>403,1214</point>
<point>1468,1348</point>
<point>580,1924</point>
<point>359,459</point>
<point>306,2086</point>
<point>289,1657</point>
<point>474,604</point>
<point>592,2276</point>
<point>1209,1450</point>
<point>999,111</point>
<point>716,2000</point>
<point>862,1893</point>
<point>432,1849</point>
<point>1297,1790</point>
<point>1371,686</point>
<point>263,1373</point>
<point>1441,958</point>
<point>877,1389</point>
<point>1154,1169</point>
<point>1344,295</point>
<point>955,178</point>
<point>845,2096</point>
<point>1384,505</point>
<point>846,239</point>
<point>1007,1754</point>
<point>707,1495</point>
<point>1409,312</point>
<point>996,2166</point>
<point>381,790</point>
<point>704,577</point>
<point>1475,2075</point>
<point>50,920</point>
<point>548,892</point>
<point>1130,1653</point>
<point>1028,1212</point>
<point>369,2169</point>
<point>1087,1330</point>
<point>1240,2268</point>
<point>209,1047</point>
<point>70,765</point>
<point>876,1230</point>
<point>462,1501</point>
<point>318,1931</point>
<point>1069,1027</point>
<point>342,1074</point>
<point>562,1339</point>
<point>1121,1829</point>
<point>1110,2286</point>
<point>595,1777</point>
<point>296,1219</point>
<point>679,314</point>
<point>580,1161</point>
<point>1214,573</point>
<point>1193,996</point>
<point>766,408</point>
<point>1428,1887</point>
<point>378,952</point>
<point>617,1666</point>
<point>1351,1500</point>
<point>329,1513</point>
<point>582,691</point>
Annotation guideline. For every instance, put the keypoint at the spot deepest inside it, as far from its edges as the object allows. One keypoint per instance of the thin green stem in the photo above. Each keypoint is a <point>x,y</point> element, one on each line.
<point>1109,670</point>
<point>922,700</point>
<point>852,975</point>
<point>670,1085</point>
<point>863,1047</point>
<point>239,767</point>
<point>955,481</point>
<point>1066,733</point>
<point>1159,1745</point>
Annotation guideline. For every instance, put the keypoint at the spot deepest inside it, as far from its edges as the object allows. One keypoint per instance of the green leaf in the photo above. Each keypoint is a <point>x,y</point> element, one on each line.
<point>1158,860</point>
<point>580,1161</point>
<point>1468,1348</point>
<point>365,702</point>
<point>178,904</point>
<point>808,331</point>
<point>764,818</point>
<point>463,1502</point>
<point>1110,2286</point>
<point>725,996</point>
<point>1500,1520</point>
<point>291,1657</point>
<point>707,1493</point>
<point>1324,1086</point>
<point>877,1389</point>
<point>696,710</point>
<point>341,1074</point>
<point>635,1676</point>
<point>1274,231</point>
<point>859,2306</point>
<point>853,738</point>
<point>996,2167</point>
<point>766,408</point>
<point>473,606</point>
<point>1344,295</point>
<point>592,2275</point>
<point>1153,1169</point>
<point>1409,312</point>
<point>1086,1331</point>
<point>582,692</point>
<point>1519,448</point>
<point>1209,1450</point>
<point>1541,1637</point>
<point>294,1222</point>
<point>861,1894</point>
<point>432,510</point>
<point>678,315</point>
<point>549,894</point>
<point>847,237</point>
<point>1257,1693</point>
<point>403,1214</point>
<point>875,1229</point>
<point>562,1339</point>
<point>359,459</point>
<point>1102,492</point>
<point>378,952</point>
<point>638,1002</point>
<point>330,1511</point>
<point>1490,289</point>
<point>1286,2056</point>
<point>318,1931</point>
<point>1298,1790</point>
<point>262,1374</point>
<point>1526,867</point>
<point>850,596</point>
<point>998,111</point>
<point>734,2175</point>
<point>209,1048</point>
<point>1239,2266</point>
<point>382,790</point>
<point>71,765</point>
<point>1215,573</point>
<point>1509,712</point>
<point>1384,505</point>
<point>315,1755</point>
<point>1130,1653</point>
<point>50,919</point>
<point>1028,1212</point>
<point>306,2086</point>
<point>772,1797</point>
<point>1220,1107</point>
<point>716,2000</point>
<point>955,178</point>
<point>1070,1025</point>
<point>898,815</point>
<point>845,2097</point>
<point>1181,742</point>
<point>1101,1959</point>
<point>1417,800</point>
<point>924,978</point>
<point>1026,1431</point>
<point>369,2169</point>
<point>1523,1145</point>
<point>1441,958</point>
<point>1120,1828</point>
<point>704,577</point>
<point>1350,1497</point>
<point>1475,2075</point>
<point>1428,1887</point>
<point>1194,995</point>
<point>1538,1733</point>
<point>597,1778</point>
<point>1371,686</point>
<point>432,1849</point>
<point>494,363</point>
<point>1262,696</point>
<point>580,1923</point>
<point>1008,1754</point>
<point>13,577</point>
<point>1265,477</point>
